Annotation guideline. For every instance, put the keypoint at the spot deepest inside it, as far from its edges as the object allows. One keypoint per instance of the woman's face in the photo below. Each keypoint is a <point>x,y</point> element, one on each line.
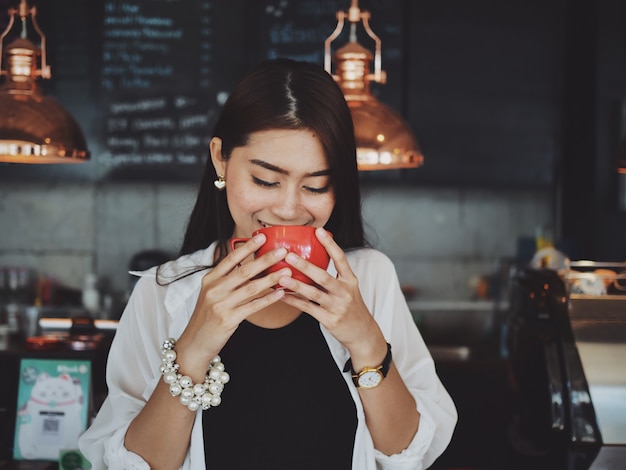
<point>280,177</point>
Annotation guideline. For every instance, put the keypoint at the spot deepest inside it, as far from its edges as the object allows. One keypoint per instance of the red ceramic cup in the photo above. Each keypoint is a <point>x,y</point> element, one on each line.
<point>297,239</point>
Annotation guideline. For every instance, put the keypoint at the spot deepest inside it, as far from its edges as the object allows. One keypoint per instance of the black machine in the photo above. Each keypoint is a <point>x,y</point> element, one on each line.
<point>555,423</point>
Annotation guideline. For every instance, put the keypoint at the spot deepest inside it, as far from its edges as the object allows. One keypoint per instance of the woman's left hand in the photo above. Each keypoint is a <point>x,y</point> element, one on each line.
<point>390,410</point>
<point>336,303</point>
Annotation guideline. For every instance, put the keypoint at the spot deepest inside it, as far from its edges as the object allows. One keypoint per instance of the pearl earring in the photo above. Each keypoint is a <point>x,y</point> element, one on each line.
<point>220,182</point>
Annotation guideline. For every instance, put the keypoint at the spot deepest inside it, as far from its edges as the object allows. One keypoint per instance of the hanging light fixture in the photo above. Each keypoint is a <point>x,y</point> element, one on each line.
<point>33,127</point>
<point>384,140</point>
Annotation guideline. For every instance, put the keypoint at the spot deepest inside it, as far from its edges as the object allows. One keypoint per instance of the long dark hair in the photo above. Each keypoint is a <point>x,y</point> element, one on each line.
<point>283,94</point>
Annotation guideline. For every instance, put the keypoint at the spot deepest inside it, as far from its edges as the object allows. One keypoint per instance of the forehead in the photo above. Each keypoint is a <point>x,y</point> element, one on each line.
<point>288,149</point>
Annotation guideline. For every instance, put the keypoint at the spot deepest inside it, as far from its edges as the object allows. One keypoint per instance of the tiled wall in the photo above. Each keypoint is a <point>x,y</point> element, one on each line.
<point>439,239</point>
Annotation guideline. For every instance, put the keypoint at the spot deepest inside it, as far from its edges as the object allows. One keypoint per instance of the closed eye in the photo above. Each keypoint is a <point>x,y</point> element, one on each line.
<point>323,190</point>
<point>263,183</point>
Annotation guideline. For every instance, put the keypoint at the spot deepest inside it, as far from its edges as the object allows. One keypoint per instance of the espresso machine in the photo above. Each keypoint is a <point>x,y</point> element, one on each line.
<point>566,342</point>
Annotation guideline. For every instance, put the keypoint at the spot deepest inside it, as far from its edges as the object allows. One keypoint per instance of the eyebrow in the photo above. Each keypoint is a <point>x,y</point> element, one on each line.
<point>282,171</point>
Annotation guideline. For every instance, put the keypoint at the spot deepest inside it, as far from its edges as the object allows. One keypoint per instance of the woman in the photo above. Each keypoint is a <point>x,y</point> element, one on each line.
<point>283,153</point>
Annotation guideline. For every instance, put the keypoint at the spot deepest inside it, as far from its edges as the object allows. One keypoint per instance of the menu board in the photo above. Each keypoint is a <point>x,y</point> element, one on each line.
<point>156,82</point>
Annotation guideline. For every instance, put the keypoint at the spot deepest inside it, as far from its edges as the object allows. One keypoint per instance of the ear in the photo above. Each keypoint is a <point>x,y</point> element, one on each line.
<point>215,146</point>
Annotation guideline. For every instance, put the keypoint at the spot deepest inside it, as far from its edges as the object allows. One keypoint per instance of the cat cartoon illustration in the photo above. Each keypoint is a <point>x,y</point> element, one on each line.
<point>51,419</point>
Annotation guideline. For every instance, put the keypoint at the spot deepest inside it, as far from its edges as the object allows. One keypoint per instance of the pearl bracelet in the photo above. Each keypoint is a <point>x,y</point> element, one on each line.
<point>193,396</point>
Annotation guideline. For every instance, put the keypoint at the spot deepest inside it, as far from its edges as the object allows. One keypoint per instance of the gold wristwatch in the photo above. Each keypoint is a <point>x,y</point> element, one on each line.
<point>370,377</point>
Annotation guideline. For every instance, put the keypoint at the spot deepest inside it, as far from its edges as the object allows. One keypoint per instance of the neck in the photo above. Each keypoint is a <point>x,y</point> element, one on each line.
<point>274,316</point>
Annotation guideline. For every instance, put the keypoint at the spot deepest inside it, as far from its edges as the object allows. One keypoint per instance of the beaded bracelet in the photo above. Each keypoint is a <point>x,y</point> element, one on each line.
<point>193,396</point>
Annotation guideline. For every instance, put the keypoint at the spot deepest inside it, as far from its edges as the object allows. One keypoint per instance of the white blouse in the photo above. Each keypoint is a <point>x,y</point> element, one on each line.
<point>155,312</point>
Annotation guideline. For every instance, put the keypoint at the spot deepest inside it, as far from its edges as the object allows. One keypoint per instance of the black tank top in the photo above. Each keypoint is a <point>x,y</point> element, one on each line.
<point>286,406</point>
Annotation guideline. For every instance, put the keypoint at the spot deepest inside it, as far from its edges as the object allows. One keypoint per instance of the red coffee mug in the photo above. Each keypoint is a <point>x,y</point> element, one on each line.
<point>297,239</point>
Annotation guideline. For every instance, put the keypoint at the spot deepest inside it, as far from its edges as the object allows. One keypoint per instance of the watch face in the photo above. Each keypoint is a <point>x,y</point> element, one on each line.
<point>370,379</point>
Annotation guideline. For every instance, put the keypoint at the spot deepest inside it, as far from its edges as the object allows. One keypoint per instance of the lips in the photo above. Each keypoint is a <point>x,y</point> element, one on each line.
<point>266,225</point>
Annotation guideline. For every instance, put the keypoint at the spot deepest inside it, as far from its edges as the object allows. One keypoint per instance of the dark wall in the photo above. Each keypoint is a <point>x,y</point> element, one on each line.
<point>592,116</point>
<point>483,91</point>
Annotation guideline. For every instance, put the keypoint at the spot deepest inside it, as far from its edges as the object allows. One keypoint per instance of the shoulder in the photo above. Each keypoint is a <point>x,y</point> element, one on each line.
<point>372,268</point>
<point>181,266</point>
<point>379,286</point>
<point>173,282</point>
<point>364,259</point>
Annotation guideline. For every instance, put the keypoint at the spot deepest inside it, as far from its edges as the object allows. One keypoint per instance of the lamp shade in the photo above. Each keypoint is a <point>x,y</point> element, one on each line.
<point>384,139</point>
<point>35,128</point>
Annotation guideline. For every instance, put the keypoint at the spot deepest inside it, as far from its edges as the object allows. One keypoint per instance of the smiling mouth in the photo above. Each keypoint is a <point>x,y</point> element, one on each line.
<point>266,225</point>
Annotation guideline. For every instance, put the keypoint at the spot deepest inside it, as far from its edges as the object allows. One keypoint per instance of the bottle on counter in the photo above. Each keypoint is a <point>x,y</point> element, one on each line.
<point>13,302</point>
<point>91,295</point>
<point>4,329</point>
<point>4,325</point>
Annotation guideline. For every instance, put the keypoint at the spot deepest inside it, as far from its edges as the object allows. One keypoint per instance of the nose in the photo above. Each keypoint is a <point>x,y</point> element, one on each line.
<point>288,205</point>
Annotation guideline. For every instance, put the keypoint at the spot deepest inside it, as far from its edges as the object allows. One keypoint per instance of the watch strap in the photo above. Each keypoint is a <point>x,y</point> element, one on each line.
<point>383,368</point>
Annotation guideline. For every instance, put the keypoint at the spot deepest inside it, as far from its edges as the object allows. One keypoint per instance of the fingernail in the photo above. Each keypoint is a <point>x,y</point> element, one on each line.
<point>259,238</point>
<point>280,252</point>
<point>286,281</point>
<point>321,232</point>
<point>291,258</point>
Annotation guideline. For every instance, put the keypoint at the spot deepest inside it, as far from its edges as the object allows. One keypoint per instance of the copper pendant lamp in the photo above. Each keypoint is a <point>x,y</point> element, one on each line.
<point>384,139</point>
<point>34,128</point>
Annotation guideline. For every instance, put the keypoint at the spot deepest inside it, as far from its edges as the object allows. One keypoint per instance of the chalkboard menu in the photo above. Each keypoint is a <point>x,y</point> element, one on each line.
<point>156,76</point>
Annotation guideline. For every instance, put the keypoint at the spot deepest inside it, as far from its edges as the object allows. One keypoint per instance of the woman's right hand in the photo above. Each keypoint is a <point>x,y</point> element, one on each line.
<point>230,292</point>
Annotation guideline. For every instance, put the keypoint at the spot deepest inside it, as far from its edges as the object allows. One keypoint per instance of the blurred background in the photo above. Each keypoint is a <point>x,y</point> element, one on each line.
<point>518,110</point>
